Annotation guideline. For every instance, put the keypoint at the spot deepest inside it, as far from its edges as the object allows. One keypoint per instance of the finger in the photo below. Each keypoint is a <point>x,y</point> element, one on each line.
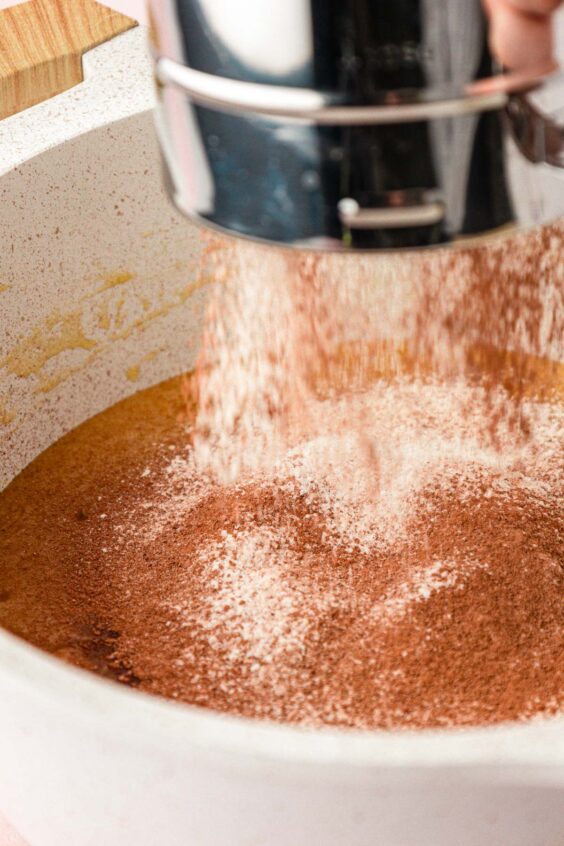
<point>519,39</point>
<point>535,7</point>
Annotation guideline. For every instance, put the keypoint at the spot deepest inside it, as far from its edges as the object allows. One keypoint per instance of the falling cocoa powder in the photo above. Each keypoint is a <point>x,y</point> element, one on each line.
<point>358,522</point>
<point>281,325</point>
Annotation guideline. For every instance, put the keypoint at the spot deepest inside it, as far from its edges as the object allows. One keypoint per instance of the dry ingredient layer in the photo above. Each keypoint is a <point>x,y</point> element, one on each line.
<point>426,591</point>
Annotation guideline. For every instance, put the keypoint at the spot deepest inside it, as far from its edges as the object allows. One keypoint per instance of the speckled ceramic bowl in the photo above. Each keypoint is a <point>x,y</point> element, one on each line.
<point>98,294</point>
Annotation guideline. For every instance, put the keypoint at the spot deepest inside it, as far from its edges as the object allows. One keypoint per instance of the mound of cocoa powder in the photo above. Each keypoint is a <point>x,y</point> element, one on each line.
<point>459,624</point>
<point>277,597</point>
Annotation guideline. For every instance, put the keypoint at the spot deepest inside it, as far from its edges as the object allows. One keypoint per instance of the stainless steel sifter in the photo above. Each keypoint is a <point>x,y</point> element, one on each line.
<point>351,124</point>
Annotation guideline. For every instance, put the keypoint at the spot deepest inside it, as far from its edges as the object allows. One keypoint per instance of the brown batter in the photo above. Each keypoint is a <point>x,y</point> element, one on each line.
<point>271,598</point>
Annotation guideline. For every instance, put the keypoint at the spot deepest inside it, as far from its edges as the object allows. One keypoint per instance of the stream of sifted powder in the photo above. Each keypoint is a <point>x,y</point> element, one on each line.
<point>380,444</point>
<point>284,329</point>
<point>358,521</point>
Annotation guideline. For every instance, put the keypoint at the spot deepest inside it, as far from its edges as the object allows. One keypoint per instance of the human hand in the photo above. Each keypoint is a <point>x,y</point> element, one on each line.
<point>521,33</point>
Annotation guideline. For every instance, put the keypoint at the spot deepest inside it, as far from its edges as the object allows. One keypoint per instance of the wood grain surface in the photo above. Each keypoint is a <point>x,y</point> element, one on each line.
<point>41,47</point>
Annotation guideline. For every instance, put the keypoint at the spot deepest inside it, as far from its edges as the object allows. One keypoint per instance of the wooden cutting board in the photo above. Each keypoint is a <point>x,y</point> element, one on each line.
<point>41,47</point>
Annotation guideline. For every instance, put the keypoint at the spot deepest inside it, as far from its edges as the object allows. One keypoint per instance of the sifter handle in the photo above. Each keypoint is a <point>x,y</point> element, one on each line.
<point>41,47</point>
<point>536,119</point>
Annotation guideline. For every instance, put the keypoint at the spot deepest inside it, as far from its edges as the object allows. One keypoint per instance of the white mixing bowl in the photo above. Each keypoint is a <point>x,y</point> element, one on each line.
<point>98,297</point>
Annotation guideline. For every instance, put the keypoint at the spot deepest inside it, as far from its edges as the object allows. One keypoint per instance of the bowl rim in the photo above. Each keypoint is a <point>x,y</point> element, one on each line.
<point>144,719</point>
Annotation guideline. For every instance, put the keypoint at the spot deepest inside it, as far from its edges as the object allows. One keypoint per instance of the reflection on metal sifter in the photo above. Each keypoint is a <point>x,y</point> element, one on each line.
<point>359,124</point>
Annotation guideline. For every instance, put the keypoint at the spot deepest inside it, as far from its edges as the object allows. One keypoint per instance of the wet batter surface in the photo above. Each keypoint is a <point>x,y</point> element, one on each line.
<point>427,598</point>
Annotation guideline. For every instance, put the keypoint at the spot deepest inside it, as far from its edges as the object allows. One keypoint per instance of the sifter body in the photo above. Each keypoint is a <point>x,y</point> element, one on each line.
<point>347,124</point>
